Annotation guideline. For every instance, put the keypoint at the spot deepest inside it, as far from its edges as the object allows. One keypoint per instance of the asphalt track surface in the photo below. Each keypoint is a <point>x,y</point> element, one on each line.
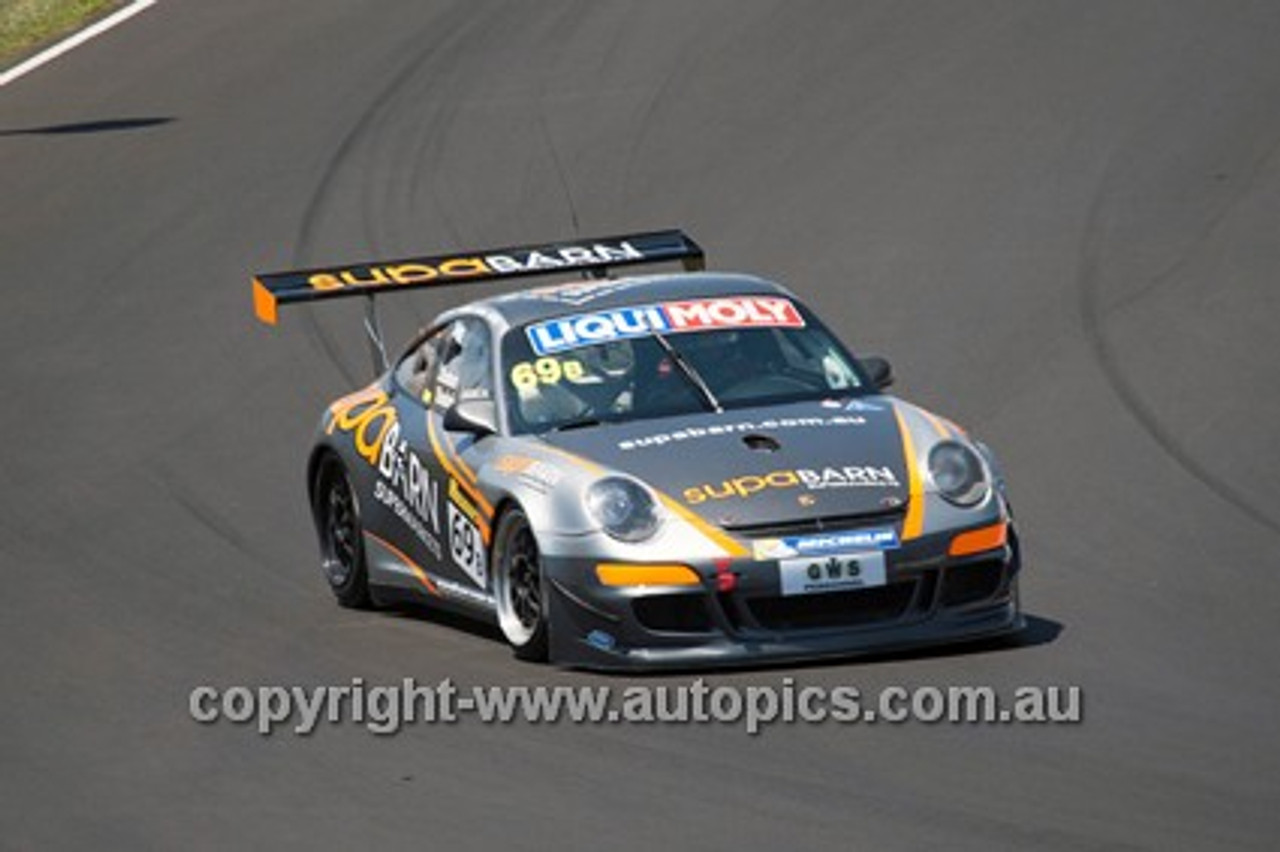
<point>1058,219</point>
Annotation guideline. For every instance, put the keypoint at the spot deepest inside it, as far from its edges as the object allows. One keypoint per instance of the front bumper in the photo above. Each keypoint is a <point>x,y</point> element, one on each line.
<point>928,598</point>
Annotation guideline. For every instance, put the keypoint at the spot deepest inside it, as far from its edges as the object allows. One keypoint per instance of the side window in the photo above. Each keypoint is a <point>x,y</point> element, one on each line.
<point>417,372</point>
<point>466,363</point>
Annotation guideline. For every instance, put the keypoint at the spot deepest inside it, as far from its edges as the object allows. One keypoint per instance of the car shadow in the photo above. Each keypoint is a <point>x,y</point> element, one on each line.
<point>109,125</point>
<point>424,612</point>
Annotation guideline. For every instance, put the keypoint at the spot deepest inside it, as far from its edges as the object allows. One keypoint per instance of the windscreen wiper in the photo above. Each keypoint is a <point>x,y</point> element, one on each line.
<point>582,423</point>
<point>690,373</point>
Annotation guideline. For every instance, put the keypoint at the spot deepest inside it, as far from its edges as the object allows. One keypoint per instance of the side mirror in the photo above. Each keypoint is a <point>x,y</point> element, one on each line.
<point>477,416</point>
<point>878,370</point>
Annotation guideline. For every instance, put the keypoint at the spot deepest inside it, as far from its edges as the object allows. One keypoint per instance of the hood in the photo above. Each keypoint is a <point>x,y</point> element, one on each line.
<point>761,465</point>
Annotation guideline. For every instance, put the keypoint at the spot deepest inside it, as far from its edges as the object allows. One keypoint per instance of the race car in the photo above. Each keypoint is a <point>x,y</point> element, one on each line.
<point>660,470</point>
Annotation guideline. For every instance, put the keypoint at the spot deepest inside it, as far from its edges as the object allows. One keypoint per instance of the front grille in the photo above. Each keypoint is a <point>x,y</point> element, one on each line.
<point>805,526</point>
<point>679,613</point>
<point>856,608</point>
<point>977,581</point>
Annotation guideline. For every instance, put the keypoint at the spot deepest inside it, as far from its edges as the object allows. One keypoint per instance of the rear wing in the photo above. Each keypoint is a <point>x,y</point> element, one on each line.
<point>591,257</point>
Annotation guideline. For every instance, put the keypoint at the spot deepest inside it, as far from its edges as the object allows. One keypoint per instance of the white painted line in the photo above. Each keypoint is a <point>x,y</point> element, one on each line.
<point>75,40</point>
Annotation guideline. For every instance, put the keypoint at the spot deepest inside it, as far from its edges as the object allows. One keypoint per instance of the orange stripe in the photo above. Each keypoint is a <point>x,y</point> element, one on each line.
<point>976,541</point>
<point>585,464</point>
<point>485,507</point>
<point>914,522</point>
<point>727,544</point>
<point>462,465</point>
<point>936,422</point>
<point>472,513</point>
<point>417,569</point>
<point>724,542</point>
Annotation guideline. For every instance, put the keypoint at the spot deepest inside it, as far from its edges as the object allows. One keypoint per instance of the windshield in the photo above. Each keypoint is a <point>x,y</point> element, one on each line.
<point>556,379</point>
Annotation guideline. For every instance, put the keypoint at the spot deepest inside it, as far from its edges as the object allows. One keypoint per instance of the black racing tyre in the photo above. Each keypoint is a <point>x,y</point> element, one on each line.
<point>519,588</point>
<point>337,512</point>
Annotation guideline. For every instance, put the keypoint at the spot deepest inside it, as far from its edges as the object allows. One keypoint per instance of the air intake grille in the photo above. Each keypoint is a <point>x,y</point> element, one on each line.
<point>779,529</point>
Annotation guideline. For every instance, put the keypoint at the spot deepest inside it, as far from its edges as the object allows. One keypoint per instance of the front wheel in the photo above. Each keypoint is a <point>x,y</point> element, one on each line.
<point>341,537</point>
<point>519,589</point>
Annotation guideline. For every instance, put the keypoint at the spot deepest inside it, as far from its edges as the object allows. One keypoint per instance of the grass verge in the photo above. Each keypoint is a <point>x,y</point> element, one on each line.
<point>28,25</point>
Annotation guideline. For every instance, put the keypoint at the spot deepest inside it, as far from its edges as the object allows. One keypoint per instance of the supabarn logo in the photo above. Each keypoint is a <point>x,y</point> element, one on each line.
<point>450,267</point>
<point>408,490</point>
<point>743,487</point>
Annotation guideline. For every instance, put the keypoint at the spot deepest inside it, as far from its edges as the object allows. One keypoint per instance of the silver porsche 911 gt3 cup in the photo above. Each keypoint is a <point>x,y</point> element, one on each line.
<point>660,470</point>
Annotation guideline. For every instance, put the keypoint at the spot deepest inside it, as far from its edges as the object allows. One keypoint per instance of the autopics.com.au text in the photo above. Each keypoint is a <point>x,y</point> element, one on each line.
<point>387,708</point>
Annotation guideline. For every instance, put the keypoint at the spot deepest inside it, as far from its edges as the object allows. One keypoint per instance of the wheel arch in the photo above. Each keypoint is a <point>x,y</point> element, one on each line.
<point>320,454</point>
<point>505,504</point>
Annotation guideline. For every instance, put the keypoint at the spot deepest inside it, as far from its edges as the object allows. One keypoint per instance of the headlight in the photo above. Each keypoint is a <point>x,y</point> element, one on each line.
<point>957,472</point>
<point>624,507</point>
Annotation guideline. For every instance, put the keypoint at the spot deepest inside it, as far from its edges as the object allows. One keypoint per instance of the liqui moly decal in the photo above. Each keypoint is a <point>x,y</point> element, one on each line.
<point>579,330</point>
